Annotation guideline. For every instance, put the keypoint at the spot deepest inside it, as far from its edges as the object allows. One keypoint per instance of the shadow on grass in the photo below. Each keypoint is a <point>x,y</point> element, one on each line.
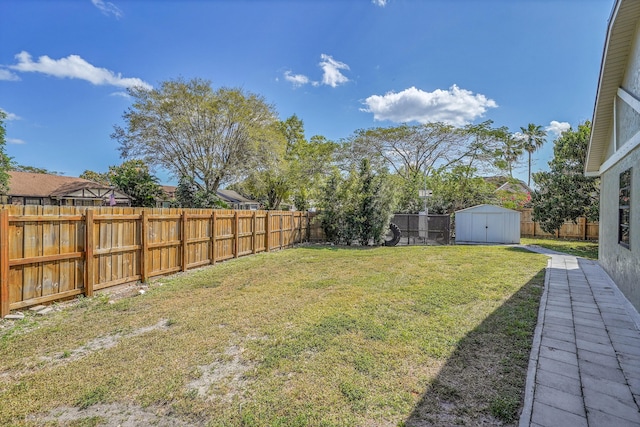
<point>483,381</point>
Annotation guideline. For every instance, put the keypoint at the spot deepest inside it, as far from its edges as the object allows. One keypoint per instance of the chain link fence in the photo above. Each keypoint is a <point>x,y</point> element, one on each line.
<point>416,229</point>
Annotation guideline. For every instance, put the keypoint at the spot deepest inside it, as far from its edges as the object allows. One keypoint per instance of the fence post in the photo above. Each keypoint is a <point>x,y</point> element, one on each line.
<point>88,248</point>
<point>292,230</point>
<point>300,216</point>
<point>236,240</point>
<point>144,243</point>
<point>183,232</point>
<point>213,237</point>
<point>4,262</point>
<point>281,227</point>
<point>267,228</point>
<point>254,240</point>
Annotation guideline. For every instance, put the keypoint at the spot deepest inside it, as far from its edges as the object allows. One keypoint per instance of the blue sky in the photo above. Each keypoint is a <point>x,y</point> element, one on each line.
<point>340,65</point>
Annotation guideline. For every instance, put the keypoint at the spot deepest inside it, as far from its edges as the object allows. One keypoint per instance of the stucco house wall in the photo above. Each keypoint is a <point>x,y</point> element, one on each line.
<point>621,263</point>
<point>615,147</point>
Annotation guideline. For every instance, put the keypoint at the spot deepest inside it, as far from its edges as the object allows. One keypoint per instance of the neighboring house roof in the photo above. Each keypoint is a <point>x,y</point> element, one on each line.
<point>231,196</point>
<point>503,183</point>
<point>28,184</point>
<point>519,187</point>
<point>227,196</point>
<point>620,38</point>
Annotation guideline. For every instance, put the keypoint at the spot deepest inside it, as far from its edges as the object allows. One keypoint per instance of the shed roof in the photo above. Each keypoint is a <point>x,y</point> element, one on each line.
<point>620,36</point>
<point>487,209</point>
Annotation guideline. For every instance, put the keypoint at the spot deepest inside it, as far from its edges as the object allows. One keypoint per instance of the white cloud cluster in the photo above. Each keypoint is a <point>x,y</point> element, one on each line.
<point>107,8</point>
<point>381,3</point>
<point>296,79</point>
<point>8,75</point>
<point>331,74</point>
<point>15,141</point>
<point>556,128</point>
<point>74,67</point>
<point>331,68</point>
<point>454,106</point>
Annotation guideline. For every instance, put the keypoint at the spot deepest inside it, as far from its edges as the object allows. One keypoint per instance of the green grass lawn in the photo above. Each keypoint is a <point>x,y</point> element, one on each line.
<point>313,336</point>
<point>581,248</point>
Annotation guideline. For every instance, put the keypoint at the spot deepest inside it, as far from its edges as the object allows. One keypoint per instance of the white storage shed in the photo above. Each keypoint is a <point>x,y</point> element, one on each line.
<point>487,224</point>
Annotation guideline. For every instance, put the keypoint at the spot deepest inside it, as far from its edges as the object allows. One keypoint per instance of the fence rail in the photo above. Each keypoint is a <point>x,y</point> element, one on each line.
<point>49,253</point>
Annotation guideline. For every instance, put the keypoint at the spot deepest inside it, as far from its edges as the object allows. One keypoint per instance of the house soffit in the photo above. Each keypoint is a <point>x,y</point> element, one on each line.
<point>620,37</point>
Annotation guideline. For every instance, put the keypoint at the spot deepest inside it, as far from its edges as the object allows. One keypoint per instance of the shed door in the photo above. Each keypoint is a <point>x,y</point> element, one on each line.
<point>495,228</point>
<point>487,228</point>
<point>479,228</point>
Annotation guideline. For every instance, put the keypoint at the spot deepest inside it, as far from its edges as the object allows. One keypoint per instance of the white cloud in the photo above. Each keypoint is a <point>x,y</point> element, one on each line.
<point>331,68</point>
<point>108,8</point>
<point>381,3</point>
<point>296,79</point>
<point>331,75</point>
<point>15,141</point>
<point>121,94</point>
<point>10,116</point>
<point>556,128</point>
<point>8,75</point>
<point>454,106</point>
<point>74,67</point>
<point>519,136</point>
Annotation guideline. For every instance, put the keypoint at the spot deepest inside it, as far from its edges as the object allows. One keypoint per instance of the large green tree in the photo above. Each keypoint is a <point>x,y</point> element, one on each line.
<point>533,138</point>
<point>564,193</point>
<point>133,178</point>
<point>356,207</point>
<point>189,195</point>
<point>406,150</point>
<point>294,173</point>
<point>192,130</point>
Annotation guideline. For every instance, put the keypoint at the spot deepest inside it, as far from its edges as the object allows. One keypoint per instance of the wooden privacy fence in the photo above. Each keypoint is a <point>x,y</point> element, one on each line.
<point>582,230</point>
<point>49,253</point>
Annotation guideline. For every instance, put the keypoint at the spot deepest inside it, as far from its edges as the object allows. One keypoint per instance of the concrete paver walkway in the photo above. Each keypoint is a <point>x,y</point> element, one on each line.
<point>585,360</point>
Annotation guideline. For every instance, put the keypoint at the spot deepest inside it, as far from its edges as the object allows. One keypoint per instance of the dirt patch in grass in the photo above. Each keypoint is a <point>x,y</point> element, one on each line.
<point>111,415</point>
<point>223,379</point>
<point>92,346</point>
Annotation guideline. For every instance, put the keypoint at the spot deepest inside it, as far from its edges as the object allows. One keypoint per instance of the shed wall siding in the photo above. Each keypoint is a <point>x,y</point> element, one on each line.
<point>619,262</point>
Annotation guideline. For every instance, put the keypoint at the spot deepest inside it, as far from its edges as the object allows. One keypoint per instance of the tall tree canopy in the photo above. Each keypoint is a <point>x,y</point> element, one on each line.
<point>416,153</point>
<point>564,192</point>
<point>186,127</point>
<point>293,173</point>
<point>407,150</point>
<point>533,139</point>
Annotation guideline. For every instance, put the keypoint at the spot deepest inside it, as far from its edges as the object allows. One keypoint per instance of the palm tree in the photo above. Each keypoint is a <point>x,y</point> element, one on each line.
<point>509,153</point>
<point>533,138</point>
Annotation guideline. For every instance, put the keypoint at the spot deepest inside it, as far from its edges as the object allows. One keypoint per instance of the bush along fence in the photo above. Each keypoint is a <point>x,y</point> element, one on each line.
<point>50,253</point>
<point>580,230</point>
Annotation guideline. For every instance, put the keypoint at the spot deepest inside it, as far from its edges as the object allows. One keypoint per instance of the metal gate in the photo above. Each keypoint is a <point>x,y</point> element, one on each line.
<point>414,231</point>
